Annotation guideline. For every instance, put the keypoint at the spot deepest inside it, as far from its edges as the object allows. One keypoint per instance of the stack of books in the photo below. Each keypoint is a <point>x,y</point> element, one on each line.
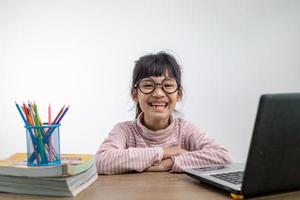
<point>76,172</point>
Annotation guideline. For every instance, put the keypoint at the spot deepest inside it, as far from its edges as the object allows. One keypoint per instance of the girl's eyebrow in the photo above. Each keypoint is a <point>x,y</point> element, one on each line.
<point>155,78</point>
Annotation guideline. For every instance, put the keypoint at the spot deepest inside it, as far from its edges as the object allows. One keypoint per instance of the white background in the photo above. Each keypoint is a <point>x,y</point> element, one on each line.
<point>81,53</point>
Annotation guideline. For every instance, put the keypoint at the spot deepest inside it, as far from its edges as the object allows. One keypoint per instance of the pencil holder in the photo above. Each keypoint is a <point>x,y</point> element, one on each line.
<point>43,145</point>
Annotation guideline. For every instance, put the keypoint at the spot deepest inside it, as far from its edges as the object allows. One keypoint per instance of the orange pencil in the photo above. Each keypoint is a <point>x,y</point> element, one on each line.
<point>32,118</point>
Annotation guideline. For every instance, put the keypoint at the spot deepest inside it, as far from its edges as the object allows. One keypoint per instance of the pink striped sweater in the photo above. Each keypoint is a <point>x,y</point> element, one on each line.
<point>131,146</point>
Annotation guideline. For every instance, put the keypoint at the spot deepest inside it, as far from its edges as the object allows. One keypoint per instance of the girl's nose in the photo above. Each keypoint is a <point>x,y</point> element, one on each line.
<point>158,92</point>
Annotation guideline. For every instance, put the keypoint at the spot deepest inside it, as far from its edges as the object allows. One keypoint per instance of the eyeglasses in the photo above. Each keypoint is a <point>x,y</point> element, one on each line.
<point>148,85</point>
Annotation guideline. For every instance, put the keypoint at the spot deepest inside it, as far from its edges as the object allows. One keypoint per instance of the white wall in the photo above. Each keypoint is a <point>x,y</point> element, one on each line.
<point>82,53</point>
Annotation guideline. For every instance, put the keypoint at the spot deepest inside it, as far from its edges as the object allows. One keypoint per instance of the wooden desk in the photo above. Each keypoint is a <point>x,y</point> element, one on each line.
<point>146,186</point>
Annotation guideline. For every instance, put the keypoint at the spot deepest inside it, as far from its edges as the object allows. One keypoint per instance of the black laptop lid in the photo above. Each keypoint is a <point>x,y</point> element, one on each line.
<point>273,163</point>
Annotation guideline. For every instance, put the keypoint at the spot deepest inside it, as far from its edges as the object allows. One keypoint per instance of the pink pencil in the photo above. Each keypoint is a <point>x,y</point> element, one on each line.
<point>50,139</point>
<point>49,115</point>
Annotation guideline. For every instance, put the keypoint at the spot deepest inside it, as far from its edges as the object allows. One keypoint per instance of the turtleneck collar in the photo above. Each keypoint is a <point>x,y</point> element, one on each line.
<point>155,136</point>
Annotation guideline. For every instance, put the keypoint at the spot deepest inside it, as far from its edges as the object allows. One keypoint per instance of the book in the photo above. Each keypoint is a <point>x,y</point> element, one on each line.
<point>71,164</point>
<point>68,186</point>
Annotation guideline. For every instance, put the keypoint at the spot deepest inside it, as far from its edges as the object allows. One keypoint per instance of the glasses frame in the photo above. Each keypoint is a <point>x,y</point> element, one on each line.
<point>137,85</point>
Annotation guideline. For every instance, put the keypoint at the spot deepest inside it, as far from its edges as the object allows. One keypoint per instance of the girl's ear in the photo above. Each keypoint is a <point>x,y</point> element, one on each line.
<point>179,95</point>
<point>134,94</point>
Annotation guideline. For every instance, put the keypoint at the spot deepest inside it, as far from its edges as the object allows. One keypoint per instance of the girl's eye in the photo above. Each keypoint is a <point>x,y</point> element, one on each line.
<point>148,86</point>
<point>146,83</point>
<point>170,85</point>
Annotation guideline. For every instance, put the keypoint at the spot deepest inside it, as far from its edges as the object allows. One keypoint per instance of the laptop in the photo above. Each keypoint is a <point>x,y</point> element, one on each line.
<point>273,163</point>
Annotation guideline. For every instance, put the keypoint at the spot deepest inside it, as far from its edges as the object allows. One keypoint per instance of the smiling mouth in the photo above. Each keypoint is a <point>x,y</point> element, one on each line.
<point>158,105</point>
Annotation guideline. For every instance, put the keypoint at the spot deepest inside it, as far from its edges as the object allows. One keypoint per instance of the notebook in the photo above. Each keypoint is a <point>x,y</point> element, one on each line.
<point>273,162</point>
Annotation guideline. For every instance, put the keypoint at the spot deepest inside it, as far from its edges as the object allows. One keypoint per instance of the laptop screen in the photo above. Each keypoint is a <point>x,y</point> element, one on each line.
<point>274,156</point>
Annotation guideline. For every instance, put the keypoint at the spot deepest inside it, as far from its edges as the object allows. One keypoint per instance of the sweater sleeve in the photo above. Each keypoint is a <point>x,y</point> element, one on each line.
<point>113,156</point>
<point>202,150</point>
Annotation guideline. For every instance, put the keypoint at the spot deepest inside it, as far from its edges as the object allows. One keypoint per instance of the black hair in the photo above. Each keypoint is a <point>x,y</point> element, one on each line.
<point>158,64</point>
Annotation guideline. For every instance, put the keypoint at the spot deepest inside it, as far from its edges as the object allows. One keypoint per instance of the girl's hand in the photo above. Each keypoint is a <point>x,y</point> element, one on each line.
<point>172,151</point>
<point>163,166</point>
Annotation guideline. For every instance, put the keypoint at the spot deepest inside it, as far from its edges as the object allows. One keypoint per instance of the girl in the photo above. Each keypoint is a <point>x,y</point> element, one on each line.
<point>156,141</point>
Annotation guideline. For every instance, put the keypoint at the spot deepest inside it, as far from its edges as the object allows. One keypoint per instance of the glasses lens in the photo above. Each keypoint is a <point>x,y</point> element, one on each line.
<point>170,85</point>
<point>147,85</point>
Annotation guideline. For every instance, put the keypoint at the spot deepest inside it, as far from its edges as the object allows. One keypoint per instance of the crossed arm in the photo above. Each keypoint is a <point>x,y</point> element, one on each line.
<point>167,163</point>
<point>114,157</point>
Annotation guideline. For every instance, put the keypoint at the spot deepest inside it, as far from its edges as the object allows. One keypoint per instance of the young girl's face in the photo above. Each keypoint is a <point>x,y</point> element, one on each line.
<point>159,104</point>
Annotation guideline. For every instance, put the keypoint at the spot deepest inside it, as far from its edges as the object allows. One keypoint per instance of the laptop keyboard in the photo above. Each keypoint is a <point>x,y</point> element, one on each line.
<point>231,177</point>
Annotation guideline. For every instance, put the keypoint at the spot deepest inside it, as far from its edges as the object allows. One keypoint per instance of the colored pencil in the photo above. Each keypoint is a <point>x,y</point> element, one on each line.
<point>29,129</point>
<point>59,113</point>
<point>50,131</point>
<point>51,138</point>
<point>62,115</point>
<point>20,111</point>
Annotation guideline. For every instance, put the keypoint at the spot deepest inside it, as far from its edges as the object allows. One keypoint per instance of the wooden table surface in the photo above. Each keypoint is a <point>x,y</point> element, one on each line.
<point>146,186</point>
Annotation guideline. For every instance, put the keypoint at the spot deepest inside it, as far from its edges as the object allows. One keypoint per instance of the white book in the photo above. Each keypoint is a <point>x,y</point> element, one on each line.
<point>56,186</point>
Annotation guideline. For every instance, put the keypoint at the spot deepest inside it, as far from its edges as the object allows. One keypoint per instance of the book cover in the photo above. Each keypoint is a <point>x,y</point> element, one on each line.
<point>71,164</point>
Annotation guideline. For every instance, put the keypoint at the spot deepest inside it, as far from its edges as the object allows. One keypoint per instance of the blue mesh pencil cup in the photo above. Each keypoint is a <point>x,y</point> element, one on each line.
<point>43,145</point>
